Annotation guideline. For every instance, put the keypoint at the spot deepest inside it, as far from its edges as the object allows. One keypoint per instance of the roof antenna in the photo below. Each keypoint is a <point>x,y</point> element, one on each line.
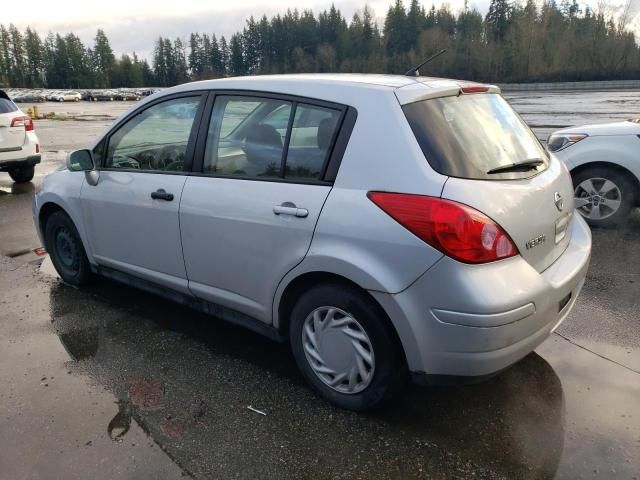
<point>414,71</point>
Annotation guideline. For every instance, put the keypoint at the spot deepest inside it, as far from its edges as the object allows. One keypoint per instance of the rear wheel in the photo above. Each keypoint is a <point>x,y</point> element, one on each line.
<point>604,197</point>
<point>345,347</point>
<point>67,252</point>
<point>22,174</point>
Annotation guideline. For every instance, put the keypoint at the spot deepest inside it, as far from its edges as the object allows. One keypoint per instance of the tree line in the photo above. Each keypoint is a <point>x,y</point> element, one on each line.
<point>513,42</point>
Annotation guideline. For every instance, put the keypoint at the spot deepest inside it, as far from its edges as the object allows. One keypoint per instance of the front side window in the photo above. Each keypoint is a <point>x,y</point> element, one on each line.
<point>156,139</point>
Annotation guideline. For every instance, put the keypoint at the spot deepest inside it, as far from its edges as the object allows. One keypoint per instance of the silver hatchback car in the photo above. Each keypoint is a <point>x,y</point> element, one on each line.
<point>388,227</point>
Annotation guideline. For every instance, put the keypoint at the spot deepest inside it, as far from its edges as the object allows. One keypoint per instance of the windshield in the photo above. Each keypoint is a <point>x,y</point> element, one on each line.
<point>469,136</point>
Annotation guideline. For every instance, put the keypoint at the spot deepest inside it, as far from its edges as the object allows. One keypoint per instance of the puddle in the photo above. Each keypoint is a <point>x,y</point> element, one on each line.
<point>81,344</point>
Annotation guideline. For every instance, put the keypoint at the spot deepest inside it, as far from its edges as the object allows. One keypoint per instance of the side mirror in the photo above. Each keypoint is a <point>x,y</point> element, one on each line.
<point>80,161</point>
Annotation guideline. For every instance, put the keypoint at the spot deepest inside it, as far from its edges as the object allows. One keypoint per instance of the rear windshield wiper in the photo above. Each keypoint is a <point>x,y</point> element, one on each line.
<point>518,167</point>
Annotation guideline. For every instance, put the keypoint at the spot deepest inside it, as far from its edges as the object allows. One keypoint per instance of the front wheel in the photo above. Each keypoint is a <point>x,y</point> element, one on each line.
<point>22,174</point>
<point>345,347</point>
<point>604,197</point>
<point>65,247</point>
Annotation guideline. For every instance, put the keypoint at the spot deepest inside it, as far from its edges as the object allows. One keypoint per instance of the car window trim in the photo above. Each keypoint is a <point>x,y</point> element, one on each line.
<point>340,143</point>
<point>340,139</point>
<point>287,140</point>
<point>189,154</point>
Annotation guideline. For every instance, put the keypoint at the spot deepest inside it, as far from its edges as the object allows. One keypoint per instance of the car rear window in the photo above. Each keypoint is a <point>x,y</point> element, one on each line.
<point>467,136</point>
<point>7,106</point>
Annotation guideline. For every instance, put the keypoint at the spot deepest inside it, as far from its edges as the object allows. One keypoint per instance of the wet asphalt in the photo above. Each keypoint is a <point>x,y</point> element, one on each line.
<point>109,382</point>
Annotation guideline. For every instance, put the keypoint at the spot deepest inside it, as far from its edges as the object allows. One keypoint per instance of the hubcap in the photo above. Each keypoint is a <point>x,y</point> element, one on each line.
<point>597,198</point>
<point>338,349</point>
<point>65,247</point>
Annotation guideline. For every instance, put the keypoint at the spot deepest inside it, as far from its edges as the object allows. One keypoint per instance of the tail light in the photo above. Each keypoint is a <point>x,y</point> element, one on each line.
<point>25,122</point>
<point>455,229</point>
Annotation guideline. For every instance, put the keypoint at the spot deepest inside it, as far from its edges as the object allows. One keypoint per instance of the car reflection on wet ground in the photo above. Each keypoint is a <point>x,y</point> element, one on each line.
<point>110,382</point>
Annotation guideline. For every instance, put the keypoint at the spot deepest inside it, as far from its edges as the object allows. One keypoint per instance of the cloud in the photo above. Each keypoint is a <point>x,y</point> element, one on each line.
<point>134,26</point>
<point>137,31</point>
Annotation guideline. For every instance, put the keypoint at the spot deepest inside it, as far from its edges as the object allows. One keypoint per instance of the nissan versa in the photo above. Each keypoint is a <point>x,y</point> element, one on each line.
<point>387,226</point>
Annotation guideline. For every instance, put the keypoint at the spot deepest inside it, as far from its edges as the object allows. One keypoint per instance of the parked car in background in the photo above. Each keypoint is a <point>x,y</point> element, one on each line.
<point>65,96</point>
<point>102,96</point>
<point>30,97</point>
<point>19,147</point>
<point>126,95</point>
<point>145,92</point>
<point>383,225</point>
<point>604,161</point>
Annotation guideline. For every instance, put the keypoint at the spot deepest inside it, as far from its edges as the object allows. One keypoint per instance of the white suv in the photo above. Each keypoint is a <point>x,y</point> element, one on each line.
<point>383,225</point>
<point>605,166</point>
<point>65,96</point>
<point>19,147</point>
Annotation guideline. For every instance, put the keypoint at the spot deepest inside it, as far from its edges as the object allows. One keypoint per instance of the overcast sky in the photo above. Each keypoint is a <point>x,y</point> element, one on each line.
<point>133,25</point>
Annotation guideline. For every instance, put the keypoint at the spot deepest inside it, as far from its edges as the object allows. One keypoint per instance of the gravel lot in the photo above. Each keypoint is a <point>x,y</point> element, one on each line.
<point>107,382</point>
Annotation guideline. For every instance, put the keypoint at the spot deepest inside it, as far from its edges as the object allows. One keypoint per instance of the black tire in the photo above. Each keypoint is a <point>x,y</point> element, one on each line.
<point>390,372</point>
<point>65,247</point>
<point>22,174</point>
<point>627,195</point>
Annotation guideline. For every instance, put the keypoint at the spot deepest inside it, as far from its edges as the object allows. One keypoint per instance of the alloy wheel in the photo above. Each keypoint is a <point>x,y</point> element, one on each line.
<point>597,198</point>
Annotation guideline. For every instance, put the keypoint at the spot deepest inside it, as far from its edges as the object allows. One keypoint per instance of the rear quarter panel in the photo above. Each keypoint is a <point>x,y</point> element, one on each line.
<point>354,238</point>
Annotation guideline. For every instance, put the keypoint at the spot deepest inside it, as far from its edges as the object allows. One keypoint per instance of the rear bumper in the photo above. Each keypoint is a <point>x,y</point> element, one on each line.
<point>21,162</point>
<point>476,320</point>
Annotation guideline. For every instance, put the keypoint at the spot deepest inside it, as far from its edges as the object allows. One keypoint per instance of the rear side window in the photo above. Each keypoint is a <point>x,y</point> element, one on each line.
<point>242,139</point>
<point>467,136</point>
<point>7,106</point>
<point>312,135</point>
<point>269,138</point>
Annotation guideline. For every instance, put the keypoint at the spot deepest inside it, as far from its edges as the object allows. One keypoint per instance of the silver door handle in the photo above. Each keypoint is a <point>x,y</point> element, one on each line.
<point>290,210</point>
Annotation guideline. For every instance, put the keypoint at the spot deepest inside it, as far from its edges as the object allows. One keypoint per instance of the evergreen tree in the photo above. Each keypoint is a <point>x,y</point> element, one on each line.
<point>180,63</point>
<point>196,56</point>
<point>224,56</point>
<point>215,58</point>
<point>5,57</point>
<point>395,26</point>
<point>34,50</point>
<point>18,58</point>
<point>236,57</point>
<point>104,59</point>
<point>498,19</point>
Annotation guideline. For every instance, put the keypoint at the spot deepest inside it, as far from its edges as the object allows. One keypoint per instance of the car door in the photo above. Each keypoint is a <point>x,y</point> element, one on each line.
<point>131,213</point>
<point>248,214</point>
